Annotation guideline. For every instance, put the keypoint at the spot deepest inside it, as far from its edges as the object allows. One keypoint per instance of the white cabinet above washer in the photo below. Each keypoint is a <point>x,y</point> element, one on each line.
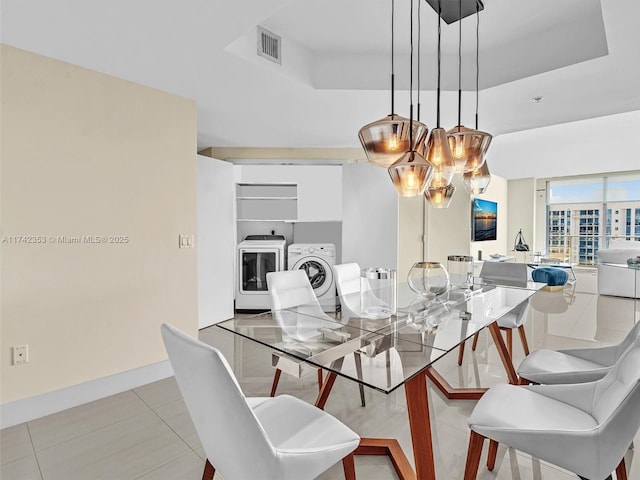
<point>319,187</point>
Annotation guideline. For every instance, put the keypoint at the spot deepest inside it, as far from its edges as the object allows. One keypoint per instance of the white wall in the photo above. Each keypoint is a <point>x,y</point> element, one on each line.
<point>597,145</point>
<point>370,216</point>
<point>216,240</point>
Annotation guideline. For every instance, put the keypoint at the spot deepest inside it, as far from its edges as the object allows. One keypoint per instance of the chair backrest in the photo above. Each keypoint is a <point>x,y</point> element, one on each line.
<point>347,277</point>
<point>615,407</point>
<point>505,273</point>
<point>227,427</point>
<point>290,288</point>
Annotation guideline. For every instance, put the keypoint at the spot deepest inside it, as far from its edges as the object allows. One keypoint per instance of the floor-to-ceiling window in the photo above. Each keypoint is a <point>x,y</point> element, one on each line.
<point>584,213</point>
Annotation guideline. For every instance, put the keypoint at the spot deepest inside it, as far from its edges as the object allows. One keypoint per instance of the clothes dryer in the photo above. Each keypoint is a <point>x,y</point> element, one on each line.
<point>257,256</point>
<point>317,260</point>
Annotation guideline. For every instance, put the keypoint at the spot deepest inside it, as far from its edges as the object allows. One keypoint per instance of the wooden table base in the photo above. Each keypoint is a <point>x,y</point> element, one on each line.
<point>457,393</point>
<point>418,412</point>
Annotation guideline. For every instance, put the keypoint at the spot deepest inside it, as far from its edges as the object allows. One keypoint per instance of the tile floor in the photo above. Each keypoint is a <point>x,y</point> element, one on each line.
<point>146,433</point>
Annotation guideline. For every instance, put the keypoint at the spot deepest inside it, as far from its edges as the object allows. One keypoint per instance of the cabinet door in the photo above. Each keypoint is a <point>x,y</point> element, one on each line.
<point>319,193</point>
<point>216,241</point>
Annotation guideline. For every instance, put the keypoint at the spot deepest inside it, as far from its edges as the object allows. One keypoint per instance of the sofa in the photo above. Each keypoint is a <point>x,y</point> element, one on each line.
<point>616,280</point>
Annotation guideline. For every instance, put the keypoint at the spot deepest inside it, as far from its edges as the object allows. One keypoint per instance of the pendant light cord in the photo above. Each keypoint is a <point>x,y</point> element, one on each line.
<point>393,2</point>
<point>419,42</point>
<point>411,79</point>
<point>460,64</point>
<point>438,88</point>
<point>477,59</point>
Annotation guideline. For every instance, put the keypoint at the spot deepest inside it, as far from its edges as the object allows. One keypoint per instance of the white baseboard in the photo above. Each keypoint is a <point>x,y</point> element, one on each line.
<point>27,409</point>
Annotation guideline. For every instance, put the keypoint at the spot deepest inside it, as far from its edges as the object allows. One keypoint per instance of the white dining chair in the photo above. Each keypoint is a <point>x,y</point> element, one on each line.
<point>509,274</point>
<point>268,438</point>
<point>292,288</point>
<point>350,289</point>
<point>574,366</point>
<point>585,428</point>
<point>348,283</point>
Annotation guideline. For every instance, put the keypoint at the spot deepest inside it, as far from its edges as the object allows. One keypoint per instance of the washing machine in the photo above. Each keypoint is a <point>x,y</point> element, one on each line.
<point>317,260</point>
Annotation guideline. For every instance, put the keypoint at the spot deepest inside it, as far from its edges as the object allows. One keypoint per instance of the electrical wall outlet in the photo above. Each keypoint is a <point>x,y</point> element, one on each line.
<point>20,354</point>
<point>185,241</point>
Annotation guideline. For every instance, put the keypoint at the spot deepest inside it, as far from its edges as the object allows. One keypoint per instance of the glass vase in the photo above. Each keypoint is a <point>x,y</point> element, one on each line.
<point>429,279</point>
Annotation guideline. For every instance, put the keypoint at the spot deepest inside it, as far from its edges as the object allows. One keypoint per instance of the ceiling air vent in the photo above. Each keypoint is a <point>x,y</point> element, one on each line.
<point>269,45</point>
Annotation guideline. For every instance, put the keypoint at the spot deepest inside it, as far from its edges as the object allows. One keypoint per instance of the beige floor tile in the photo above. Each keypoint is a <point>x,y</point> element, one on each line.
<point>25,468</point>
<point>159,393</point>
<point>177,417</point>
<point>187,467</point>
<point>77,421</point>
<point>15,443</point>
<point>123,450</point>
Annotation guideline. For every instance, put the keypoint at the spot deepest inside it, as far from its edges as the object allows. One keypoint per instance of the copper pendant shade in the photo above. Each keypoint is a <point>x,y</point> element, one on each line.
<point>440,197</point>
<point>477,181</point>
<point>385,140</point>
<point>438,154</point>
<point>468,147</point>
<point>411,174</point>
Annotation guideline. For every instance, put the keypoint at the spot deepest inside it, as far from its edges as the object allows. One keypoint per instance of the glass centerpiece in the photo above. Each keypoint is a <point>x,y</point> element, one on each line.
<point>429,279</point>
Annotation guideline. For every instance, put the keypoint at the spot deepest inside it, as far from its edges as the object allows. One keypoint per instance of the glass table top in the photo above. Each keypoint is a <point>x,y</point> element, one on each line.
<point>390,350</point>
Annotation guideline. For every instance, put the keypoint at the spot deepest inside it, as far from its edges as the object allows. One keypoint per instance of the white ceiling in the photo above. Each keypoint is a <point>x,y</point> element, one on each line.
<point>580,55</point>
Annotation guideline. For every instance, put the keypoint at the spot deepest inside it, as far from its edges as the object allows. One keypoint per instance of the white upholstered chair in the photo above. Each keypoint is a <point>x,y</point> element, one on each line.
<point>347,278</point>
<point>508,274</point>
<point>574,366</point>
<point>585,428</point>
<point>292,288</point>
<point>349,283</point>
<point>281,438</point>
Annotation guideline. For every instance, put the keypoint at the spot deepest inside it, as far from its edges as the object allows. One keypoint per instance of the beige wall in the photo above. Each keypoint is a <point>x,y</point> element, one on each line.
<point>87,154</point>
<point>449,229</point>
<point>522,213</point>
<point>410,234</point>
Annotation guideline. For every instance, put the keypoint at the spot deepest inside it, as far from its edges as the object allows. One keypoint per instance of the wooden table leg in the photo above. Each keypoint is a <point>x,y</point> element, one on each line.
<point>327,384</point>
<point>420,425</point>
<point>504,354</point>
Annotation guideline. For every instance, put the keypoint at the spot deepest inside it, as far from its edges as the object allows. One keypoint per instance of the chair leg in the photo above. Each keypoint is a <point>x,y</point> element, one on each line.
<point>349,467</point>
<point>320,379</point>
<point>209,471</point>
<point>523,339</point>
<point>460,353</point>
<point>493,452</point>
<point>358,361</point>
<point>475,341</point>
<point>621,471</point>
<point>276,379</point>
<point>473,456</point>
<point>510,343</point>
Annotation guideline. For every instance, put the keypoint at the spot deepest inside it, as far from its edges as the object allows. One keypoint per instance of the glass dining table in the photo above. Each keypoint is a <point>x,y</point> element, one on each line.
<point>397,350</point>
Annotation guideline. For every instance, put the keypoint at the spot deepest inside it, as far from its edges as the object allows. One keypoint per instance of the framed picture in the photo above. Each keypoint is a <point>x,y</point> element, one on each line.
<point>484,220</point>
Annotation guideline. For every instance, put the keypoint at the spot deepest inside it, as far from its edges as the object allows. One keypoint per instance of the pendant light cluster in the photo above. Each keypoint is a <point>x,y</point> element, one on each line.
<point>419,162</point>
